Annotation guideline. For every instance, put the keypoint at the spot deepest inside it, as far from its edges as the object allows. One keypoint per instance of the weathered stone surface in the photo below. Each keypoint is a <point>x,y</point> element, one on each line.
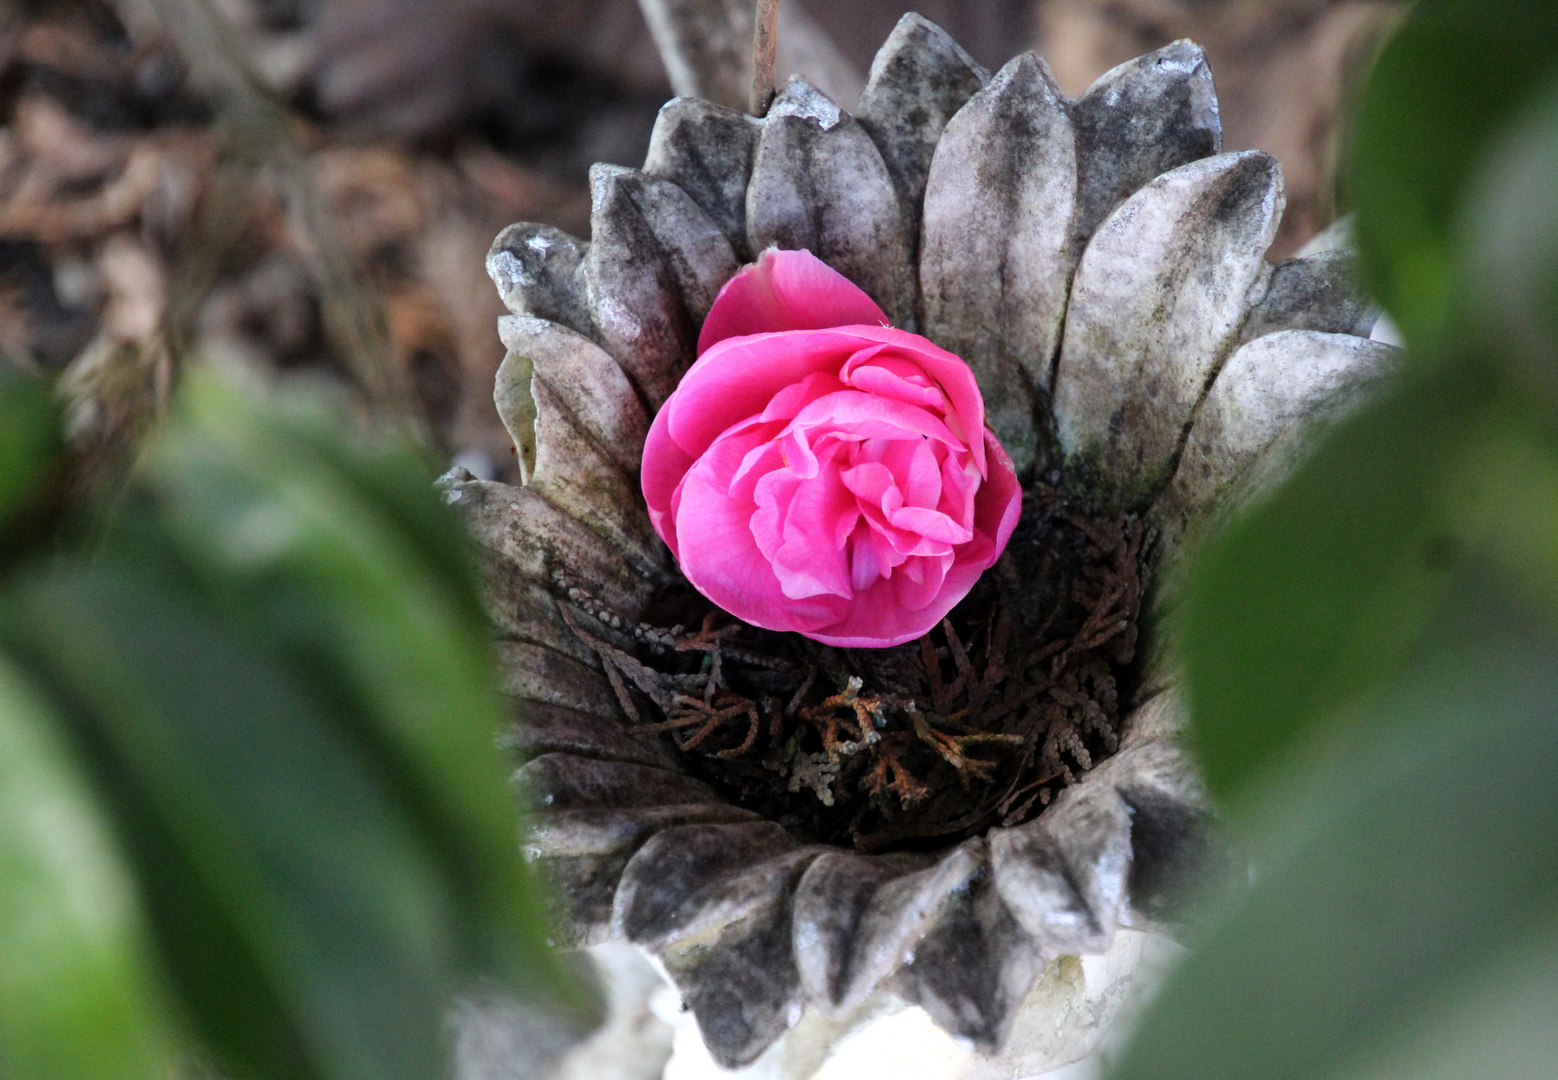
<point>1319,292</point>
<point>534,673</point>
<point>974,964</point>
<point>707,150</point>
<point>586,425</point>
<point>561,781</point>
<point>738,974</point>
<point>1338,234</point>
<point>582,853</point>
<point>516,405</point>
<point>1291,381</point>
<point>539,271</point>
<point>1172,844</point>
<point>858,919</point>
<point>576,476</point>
<point>523,609</point>
<point>545,729</point>
<point>818,182</point>
<point>1157,303</point>
<point>716,904</point>
<point>996,257</point>
<point>1174,848</point>
<point>665,891</point>
<point>655,263</point>
<point>1161,716</point>
<point>706,46</point>
<point>919,79</point>
<point>1063,875</point>
<point>519,529</point>
<point>585,382</point>
<point>1138,121</point>
<point>702,43</point>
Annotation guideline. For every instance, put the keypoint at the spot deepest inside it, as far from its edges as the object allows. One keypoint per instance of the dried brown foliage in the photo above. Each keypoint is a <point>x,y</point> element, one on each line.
<point>144,220</point>
<point>978,723</point>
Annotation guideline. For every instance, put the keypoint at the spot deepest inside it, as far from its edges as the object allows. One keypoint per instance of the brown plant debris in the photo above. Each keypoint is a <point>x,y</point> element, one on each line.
<point>978,723</point>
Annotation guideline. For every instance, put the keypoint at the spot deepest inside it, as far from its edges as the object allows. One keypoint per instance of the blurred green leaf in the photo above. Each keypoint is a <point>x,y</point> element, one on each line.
<point>334,899</point>
<point>31,450</point>
<point>1319,593</point>
<point>1499,1021</point>
<point>80,997</point>
<point>348,570</point>
<point>1508,246</point>
<point>1503,497</point>
<point>1411,841</point>
<point>1440,92</point>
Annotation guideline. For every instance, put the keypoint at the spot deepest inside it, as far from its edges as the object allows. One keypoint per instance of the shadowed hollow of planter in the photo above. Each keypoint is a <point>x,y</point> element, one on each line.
<point>977,724</point>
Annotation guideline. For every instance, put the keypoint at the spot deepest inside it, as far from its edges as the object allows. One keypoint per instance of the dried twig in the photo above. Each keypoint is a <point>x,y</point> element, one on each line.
<point>765,45</point>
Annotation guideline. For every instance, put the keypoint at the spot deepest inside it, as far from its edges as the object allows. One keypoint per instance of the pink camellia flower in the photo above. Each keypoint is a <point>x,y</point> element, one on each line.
<point>819,471</point>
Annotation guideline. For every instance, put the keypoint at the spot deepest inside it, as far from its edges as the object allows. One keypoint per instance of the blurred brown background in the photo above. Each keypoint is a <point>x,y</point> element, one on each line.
<point>311,185</point>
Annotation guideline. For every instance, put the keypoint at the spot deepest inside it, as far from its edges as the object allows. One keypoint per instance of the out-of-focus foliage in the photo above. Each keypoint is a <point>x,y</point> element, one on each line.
<point>249,767</point>
<point>30,458</point>
<point>1371,655</point>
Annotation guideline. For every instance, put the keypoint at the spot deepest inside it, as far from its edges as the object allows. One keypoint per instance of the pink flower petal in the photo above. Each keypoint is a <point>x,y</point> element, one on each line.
<point>931,524</point>
<point>878,371</point>
<point>871,482</point>
<point>955,378</point>
<point>864,416</point>
<point>818,519</point>
<point>917,591</point>
<point>959,486</point>
<point>786,290</point>
<point>740,377</point>
<point>921,482</point>
<point>998,504</point>
<point>792,399</point>
<point>876,620</point>
<point>721,560</point>
<point>833,480</point>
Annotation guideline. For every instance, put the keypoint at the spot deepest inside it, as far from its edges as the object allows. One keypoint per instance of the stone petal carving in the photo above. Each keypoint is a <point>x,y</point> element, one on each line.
<point>1189,373</point>
<point>1158,300</point>
<point>531,537</point>
<point>996,259</point>
<point>1064,873</point>
<point>516,405</point>
<point>919,80</point>
<point>565,781</point>
<point>661,898</point>
<point>857,920</point>
<point>1138,121</point>
<point>529,613</point>
<point>582,854</point>
<point>545,729</point>
<point>585,382</point>
<point>738,976</point>
<point>1276,384</point>
<point>1319,292</point>
<point>654,266</point>
<point>706,150</point>
<point>533,672</point>
<point>975,963</point>
<point>586,425</point>
<point>818,182</point>
<point>1172,844</point>
<point>539,271</point>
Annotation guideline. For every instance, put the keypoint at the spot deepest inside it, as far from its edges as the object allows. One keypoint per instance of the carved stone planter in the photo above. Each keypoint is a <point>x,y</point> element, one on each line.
<point>1100,265</point>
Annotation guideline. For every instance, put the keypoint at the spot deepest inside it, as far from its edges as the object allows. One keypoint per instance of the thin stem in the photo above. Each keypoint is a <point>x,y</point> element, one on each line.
<point>765,41</point>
